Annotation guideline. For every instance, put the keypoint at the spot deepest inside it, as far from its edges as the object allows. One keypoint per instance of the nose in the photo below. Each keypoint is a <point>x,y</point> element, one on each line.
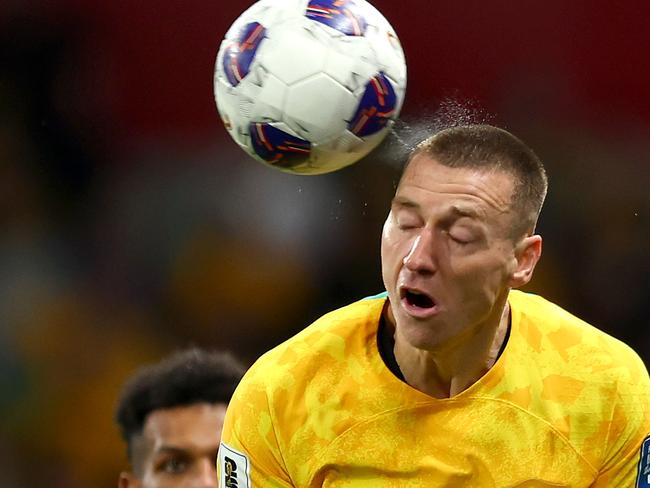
<point>206,474</point>
<point>421,258</point>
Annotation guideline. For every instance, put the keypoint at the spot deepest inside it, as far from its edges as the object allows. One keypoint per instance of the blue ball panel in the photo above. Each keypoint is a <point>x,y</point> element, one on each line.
<point>342,15</point>
<point>277,147</point>
<point>238,56</point>
<point>376,107</point>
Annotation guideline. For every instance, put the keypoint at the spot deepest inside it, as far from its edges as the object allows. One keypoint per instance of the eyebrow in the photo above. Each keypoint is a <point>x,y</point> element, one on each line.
<point>189,452</point>
<point>464,212</point>
<point>405,202</point>
<point>171,450</point>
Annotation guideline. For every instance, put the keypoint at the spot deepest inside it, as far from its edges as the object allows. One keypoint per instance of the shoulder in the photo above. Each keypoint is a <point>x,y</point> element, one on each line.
<point>590,386</point>
<point>561,328</point>
<point>550,328</point>
<point>327,345</point>
<point>296,387</point>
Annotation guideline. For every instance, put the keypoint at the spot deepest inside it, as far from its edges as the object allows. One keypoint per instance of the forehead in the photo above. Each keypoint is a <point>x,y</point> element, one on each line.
<point>193,426</point>
<point>427,182</point>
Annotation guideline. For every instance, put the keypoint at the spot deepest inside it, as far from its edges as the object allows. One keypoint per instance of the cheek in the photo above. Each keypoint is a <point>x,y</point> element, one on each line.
<point>385,241</point>
<point>484,276</point>
<point>390,245</point>
<point>389,253</point>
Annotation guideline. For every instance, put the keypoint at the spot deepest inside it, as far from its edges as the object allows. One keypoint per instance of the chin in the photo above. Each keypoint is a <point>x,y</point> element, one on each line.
<point>420,334</point>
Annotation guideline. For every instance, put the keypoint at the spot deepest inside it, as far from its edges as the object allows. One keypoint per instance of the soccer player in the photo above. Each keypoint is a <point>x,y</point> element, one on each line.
<point>171,416</point>
<point>452,377</point>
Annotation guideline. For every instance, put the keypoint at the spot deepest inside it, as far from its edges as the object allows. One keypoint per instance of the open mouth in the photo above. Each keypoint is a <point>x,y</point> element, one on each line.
<point>417,303</point>
<point>416,299</point>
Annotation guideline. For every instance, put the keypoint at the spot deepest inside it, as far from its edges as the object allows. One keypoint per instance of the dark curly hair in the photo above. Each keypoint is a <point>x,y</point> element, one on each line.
<point>185,378</point>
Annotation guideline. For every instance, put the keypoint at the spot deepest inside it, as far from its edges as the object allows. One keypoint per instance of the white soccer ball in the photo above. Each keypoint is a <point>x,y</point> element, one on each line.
<point>309,86</point>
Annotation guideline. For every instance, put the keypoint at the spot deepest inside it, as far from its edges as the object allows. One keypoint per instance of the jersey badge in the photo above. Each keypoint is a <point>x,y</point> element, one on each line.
<point>234,468</point>
<point>643,473</point>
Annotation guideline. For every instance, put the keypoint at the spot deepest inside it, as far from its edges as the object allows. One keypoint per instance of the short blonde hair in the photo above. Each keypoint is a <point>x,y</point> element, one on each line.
<point>482,146</point>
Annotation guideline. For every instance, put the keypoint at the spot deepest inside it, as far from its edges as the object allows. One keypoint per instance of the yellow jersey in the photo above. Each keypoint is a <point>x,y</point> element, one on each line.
<point>565,405</point>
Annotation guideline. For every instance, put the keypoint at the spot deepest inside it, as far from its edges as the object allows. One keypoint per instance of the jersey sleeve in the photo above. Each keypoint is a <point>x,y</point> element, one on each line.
<point>249,454</point>
<point>627,461</point>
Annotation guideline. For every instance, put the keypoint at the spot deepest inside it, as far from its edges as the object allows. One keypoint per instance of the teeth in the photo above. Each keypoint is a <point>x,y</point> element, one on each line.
<point>413,292</point>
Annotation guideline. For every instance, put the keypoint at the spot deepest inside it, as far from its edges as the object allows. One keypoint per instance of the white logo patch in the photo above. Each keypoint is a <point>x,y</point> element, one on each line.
<point>643,474</point>
<point>234,468</point>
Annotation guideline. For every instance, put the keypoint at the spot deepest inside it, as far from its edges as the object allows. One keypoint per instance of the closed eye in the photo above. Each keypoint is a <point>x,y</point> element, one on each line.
<point>459,240</point>
<point>407,226</point>
<point>406,221</point>
<point>460,237</point>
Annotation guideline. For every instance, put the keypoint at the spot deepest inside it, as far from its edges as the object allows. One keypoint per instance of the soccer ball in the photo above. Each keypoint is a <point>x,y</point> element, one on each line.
<point>309,86</point>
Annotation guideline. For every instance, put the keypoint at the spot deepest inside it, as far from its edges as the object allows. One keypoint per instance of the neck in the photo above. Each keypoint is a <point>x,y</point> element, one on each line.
<point>457,365</point>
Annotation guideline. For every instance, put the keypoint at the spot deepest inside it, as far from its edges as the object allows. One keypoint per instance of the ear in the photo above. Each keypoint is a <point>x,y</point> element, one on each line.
<point>527,253</point>
<point>127,480</point>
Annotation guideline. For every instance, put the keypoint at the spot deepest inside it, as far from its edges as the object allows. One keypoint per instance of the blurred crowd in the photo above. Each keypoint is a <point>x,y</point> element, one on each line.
<point>113,254</point>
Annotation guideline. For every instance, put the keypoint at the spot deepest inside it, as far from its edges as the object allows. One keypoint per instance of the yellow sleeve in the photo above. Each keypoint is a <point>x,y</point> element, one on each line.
<point>627,462</point>
<point>249,452</point>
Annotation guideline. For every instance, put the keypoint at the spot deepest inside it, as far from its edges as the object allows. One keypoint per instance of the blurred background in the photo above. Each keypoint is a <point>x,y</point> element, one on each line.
<point>131,225</point>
